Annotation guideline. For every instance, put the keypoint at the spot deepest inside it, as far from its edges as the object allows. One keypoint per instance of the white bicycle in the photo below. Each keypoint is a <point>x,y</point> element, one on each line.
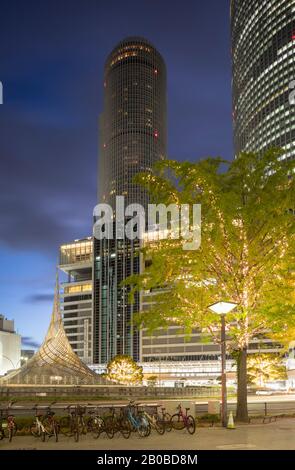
<point>37,429</point>
<point>43,425</point>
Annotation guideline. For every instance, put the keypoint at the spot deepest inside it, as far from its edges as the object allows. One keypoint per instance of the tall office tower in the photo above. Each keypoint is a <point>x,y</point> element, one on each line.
<point>132,139</point>
<point>263,58</point>
<point>133,122</point>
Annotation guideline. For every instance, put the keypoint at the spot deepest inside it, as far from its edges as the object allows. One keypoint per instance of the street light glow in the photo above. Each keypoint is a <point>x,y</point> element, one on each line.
<point>222,308</point>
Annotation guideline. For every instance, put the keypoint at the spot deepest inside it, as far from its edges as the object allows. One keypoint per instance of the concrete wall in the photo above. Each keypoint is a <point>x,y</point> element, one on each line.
<point>10,351</point>
<point>119,393</point>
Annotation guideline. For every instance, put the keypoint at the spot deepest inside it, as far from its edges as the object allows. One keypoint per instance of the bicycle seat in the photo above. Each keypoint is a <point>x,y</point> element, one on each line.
<point>50,413</point>
<point>187,409</point>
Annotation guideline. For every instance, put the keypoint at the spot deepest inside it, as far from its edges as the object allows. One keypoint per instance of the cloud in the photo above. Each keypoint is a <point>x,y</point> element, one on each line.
<point>37,298</point>
<point>27,341</point>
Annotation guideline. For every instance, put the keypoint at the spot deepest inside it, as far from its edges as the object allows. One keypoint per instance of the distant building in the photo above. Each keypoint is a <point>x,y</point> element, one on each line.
<point>10,346</point>
<point>172,345</point>
<point>290,365</point>
<point>26,354</point>
<point>75,259</point>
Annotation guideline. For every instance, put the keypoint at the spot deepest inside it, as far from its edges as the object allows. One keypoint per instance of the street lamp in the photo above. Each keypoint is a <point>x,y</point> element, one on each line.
<point>222,308</point>
<point>8,359</point>
<point>159,375</point>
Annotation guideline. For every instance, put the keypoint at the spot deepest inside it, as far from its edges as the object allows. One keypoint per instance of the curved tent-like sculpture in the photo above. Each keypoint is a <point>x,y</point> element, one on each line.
<point>55,362</point>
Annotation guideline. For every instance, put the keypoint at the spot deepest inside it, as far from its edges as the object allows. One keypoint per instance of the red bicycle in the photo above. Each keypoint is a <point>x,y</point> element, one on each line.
<point>181,420</point>
<point>8,427</point>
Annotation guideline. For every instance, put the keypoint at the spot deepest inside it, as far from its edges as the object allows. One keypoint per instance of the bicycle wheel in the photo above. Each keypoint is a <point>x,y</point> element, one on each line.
<point>190,424</point>
<point>125,428</point>
<point>109,427</point>
<point>143,430</point>
<point>10,429</point>
<point>82,426</point>
<point>48,426</point>
<point>65,426</point>
<point>55,432</point>
<point>76,433</point>
<point>143,427</point>
<point>177,422</point>
<point>167,422</point>
<point>34,430</point>
<point>96,427</point>
<point>160,427</point>
<point>51,428</point>
<point>90,424</point>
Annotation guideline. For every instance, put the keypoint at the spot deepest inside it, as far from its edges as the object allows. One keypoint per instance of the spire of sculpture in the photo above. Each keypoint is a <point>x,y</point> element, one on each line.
<point>55,357</point>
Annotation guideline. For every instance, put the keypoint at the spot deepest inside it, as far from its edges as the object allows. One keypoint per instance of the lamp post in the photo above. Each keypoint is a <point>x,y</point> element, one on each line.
<point>159,375</point>
<point>222,308</point>
<point>8,359</point>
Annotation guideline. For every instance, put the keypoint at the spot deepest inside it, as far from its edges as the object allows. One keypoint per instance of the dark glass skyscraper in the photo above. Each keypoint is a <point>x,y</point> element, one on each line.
<point>263,58</point>
<point>132,138</point>
<point>133,122</point>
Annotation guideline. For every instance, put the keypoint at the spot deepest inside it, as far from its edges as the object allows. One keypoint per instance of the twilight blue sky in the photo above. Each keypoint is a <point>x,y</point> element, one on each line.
<point>52,54</point>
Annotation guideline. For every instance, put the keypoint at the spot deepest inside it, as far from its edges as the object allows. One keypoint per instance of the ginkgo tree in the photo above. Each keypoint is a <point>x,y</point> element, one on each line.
<point>246,256</point>
<point>263,368</point>
<point>122,369</point>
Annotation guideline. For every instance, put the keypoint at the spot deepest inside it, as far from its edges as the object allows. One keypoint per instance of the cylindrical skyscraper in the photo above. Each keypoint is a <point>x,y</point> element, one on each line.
<point>133,122</point>
<point>263,58</point>
<point>132,139</point>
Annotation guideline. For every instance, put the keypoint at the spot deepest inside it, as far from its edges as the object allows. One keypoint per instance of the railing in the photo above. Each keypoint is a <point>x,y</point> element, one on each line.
<point>259,408</point>
<point>114,392</point>
<point>60,408</point>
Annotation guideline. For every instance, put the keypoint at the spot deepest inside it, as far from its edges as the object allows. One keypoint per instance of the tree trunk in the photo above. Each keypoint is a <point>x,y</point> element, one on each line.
<point>242,407</point>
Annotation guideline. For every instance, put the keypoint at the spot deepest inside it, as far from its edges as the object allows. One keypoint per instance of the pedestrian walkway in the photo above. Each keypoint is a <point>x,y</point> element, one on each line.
<point>278,435</point>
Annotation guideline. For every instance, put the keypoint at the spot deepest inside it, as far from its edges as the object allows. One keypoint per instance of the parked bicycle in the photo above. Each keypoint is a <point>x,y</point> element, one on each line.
<point>74,424</point>
<point>165,419</point>
<point>8,426</point>
<point>45,425</point>
<point>51,424</point>
<point>155,422</point>
<point>95,423</point>
<point>117,423</point>
<point>137,421</point>
<point>182,420</point>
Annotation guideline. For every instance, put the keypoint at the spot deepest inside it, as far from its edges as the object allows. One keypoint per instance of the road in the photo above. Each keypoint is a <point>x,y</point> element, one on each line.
<point>273,436</point>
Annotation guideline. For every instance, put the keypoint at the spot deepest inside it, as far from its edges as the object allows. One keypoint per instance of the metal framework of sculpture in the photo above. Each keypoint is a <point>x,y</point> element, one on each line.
<point>55,361</point>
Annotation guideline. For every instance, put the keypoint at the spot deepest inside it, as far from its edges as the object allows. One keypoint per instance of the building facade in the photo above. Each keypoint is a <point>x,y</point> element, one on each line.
<point>172,345</point>
<point>132,138</point>
<point>10,346</point>
<point>114,333</point>
<point>133,131</point>
<point>75,260</point>
<point>263,61</point>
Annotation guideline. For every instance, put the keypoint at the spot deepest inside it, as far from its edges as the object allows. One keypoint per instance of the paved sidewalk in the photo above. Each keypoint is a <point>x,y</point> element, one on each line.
<point>279,435</point>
